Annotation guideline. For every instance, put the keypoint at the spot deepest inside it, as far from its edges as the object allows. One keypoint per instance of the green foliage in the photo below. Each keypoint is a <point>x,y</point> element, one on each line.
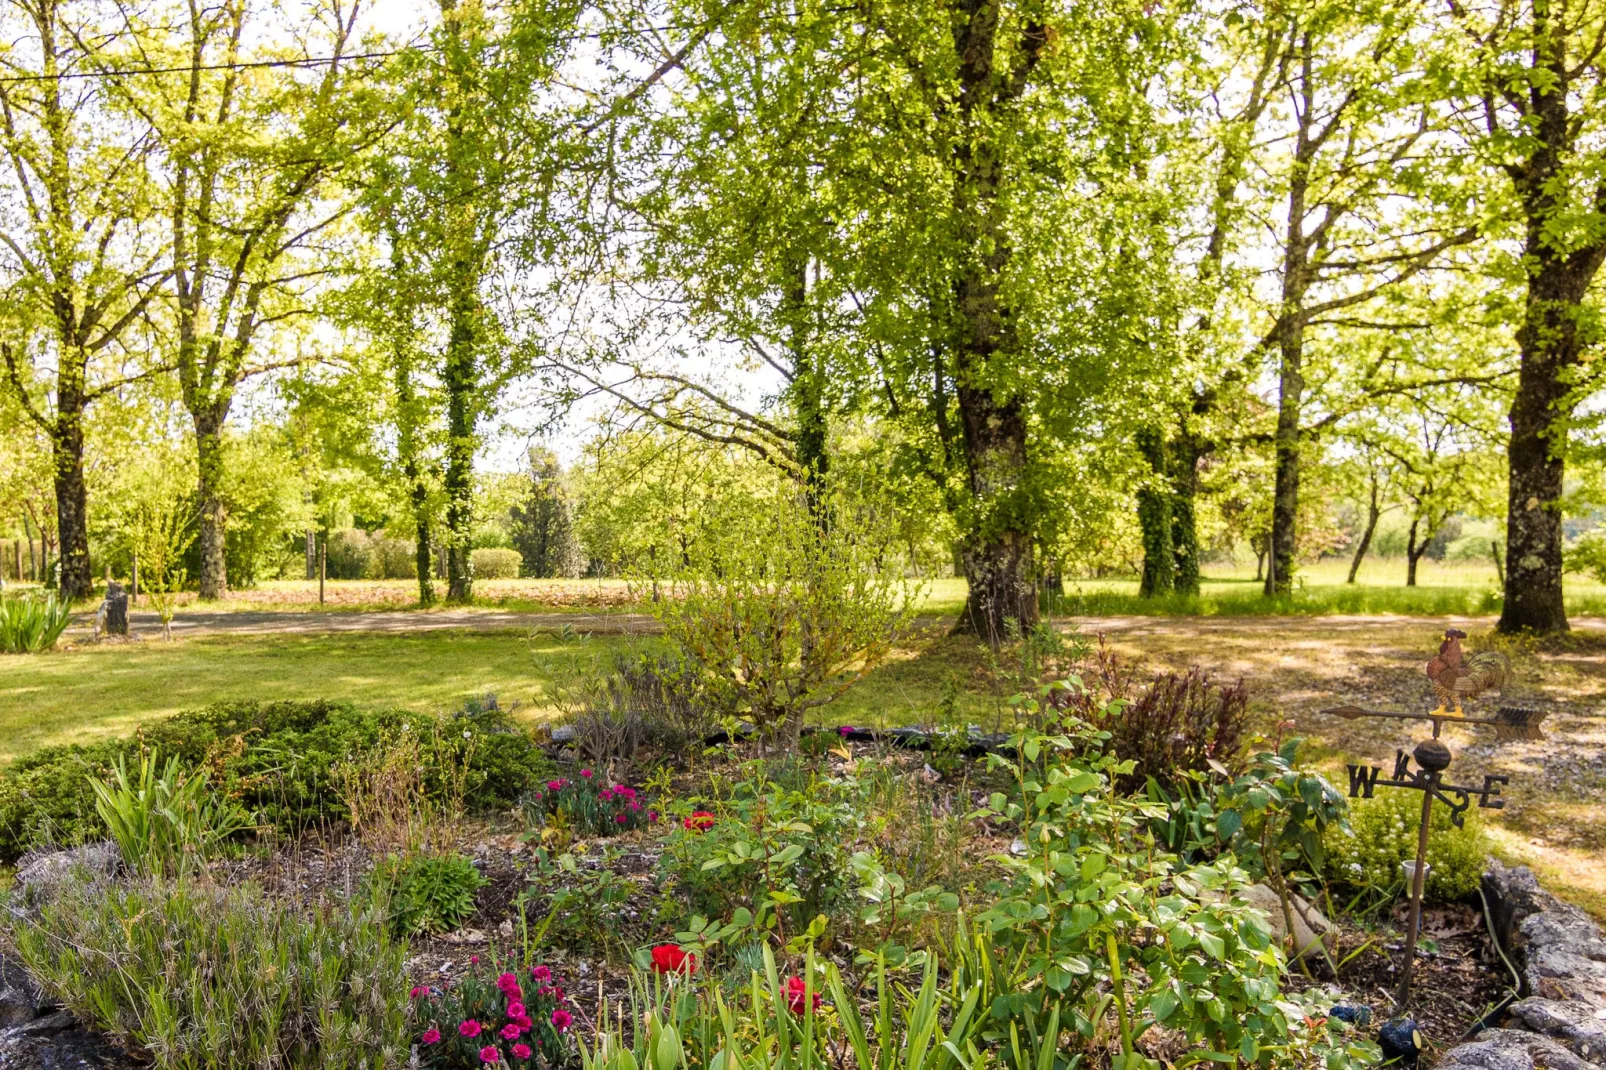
<point>166,821</point>
<point>778,853</point>
<point>581,901</point>
<point>30,624</point>
<point>426,893</point>
<point>491,563</point>
<point>278,760</point>
<point>255,982</point>
<point>1096,920</point>
<point>781,611</point>
<point>1382,834</point>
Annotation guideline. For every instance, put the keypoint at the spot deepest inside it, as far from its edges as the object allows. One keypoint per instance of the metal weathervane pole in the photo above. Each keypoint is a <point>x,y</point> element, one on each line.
<point>1432,759</point>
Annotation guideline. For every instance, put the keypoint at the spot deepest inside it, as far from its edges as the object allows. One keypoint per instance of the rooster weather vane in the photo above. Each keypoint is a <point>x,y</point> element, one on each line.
<point>1455,677</point>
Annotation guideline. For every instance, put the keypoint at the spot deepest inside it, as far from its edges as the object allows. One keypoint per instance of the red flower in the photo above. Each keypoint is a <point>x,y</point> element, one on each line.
<point>700,821</point>
<point>796,992</point>
<point>669,958</point>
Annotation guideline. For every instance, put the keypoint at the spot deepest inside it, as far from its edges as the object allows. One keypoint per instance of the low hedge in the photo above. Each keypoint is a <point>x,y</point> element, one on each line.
<point>275,757</point>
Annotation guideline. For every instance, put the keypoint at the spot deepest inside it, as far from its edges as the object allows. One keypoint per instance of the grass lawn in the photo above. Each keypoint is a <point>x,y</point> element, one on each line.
<point>94,690</point>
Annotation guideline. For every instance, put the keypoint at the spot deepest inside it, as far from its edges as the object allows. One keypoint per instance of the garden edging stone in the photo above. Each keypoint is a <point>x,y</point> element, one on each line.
<point>1560,955</point>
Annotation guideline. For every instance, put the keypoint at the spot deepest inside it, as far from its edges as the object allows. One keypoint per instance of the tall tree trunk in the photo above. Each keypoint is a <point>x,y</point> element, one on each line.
<point>67,457</point>
<point>808,393</point>
<point>1373,512</point>
<point>1413,553</point>
<point>460,381</point>
<point>1286,447</point>
<point>214,581</point>
<point>997,546</point>
<point>1154,520</point>
<point>1549,343</point>
<point>1185,454</point>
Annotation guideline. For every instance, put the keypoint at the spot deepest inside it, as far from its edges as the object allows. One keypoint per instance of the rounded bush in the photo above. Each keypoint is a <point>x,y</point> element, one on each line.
<point>1384,835</point>
<point>494,564</point>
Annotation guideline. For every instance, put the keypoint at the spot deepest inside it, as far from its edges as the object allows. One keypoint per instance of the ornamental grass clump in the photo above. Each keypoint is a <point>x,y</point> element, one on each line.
<point>495,1015</point>
<point>202,977</point>
<point>588,807</point>
<point>29,625</point>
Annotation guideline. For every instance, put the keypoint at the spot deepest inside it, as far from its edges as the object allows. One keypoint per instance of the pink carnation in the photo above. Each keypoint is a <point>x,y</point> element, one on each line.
<point>620,819</point>
<point>561,1019</point>
<point>540,973</point>
<point>522,1051</point>
<point>431,1036</point>
<point>468,1027</point>
<point>489,1054</point>
<point>587,773</point>
<point>515,1009</point>
<point>510,1032</point>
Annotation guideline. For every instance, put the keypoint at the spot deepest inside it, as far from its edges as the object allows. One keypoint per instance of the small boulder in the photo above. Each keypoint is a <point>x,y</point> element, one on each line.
<point>1510,1049</point>
<point>40,872</point>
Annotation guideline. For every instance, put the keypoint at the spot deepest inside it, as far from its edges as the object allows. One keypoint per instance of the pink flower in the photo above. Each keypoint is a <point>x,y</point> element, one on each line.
<point>431,1036</point>
<point>418,990</point>
<point>620,819</point>
<point>625,793</point>
<point>473,960</point>
<point>522,1051</point>
<point>561,1019</point>
<point>845,731</point>
<point>587,773</point>
<point>510,1032</point>
<point>515,1009</point>
<point>468,1027</point>
<point>524,1023</point>
<point>556,785</point>
<point>635,807</point>
<point>489,1054</point>
<point>652,817</point>
<point>540,973</point>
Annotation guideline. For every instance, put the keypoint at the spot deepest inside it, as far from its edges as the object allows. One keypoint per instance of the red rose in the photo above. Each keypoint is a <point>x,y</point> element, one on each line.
<point>700,821</point>
<point>796,992</point>
<point>669,958</point>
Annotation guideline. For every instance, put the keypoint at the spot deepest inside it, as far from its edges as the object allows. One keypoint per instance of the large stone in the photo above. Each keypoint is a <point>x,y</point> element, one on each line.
<point>116,609</point>
<point>1578,1026</point>
<point>1510,1049</point>
<point>38,1035</point>
<point>1557,947</point>
<point>20,996</point>
<point>40,873</point>
<point>1307,934</point>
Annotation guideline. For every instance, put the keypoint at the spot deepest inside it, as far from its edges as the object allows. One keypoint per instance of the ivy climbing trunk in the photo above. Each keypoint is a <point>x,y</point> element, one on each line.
<point>999,513</point>
<point>1185,454</point>
<point>1154,520</point>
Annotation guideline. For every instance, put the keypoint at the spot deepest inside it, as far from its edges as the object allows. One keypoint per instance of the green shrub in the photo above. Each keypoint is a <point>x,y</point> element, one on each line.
<point>495,564</point>
<point>204,977</point>
<point>29,625</point>
<point>580,906</point>
<point>427,893</point>
<point>165,821</point>
<point>277,759</point>
<point>779,852</point>
<point>1384,832</point>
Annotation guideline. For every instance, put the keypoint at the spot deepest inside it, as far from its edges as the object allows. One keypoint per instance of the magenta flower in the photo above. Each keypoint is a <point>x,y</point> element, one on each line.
<point>635,807</point>
<point>431,1036</point>
<point>540,973</point>
<point>845,731</point>
<point>620,819</point>
<point>625,793</point>
<point>418,990</point>
<point>515,1009</point>
<point>490,1055</point>
<point>561,1019</point>
<point>652,817</point>
<point>473,960</point>
<point>522,1051</point>
<point>556,785</point>
<point>468,1027</point>
<point>606,795</point>
<point>524,1023</point>
<point>587,773</point>
<point>510,1032</point>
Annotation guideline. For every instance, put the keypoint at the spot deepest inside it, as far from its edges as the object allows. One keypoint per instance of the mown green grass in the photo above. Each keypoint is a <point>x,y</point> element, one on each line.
<point>91,691</point>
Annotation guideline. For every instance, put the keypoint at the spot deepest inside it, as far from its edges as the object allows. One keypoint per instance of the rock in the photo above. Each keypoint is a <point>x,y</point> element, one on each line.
<point>40,872</point>
<point>116,609</point>
<point>1557,947</point>
<point>1510,1049</point>
<point>1262,898</point>
<point>1400,1040</point>
<point>20,995</point>
<point>1574,1024</point>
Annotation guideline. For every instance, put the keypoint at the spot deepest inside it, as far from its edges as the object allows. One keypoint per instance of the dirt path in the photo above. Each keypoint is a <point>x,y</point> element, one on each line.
<point>382,622</point>
<point>1555,812</point>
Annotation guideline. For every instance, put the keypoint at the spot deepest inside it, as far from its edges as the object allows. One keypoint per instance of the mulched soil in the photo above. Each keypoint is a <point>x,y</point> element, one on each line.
<point>1457,978</point>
